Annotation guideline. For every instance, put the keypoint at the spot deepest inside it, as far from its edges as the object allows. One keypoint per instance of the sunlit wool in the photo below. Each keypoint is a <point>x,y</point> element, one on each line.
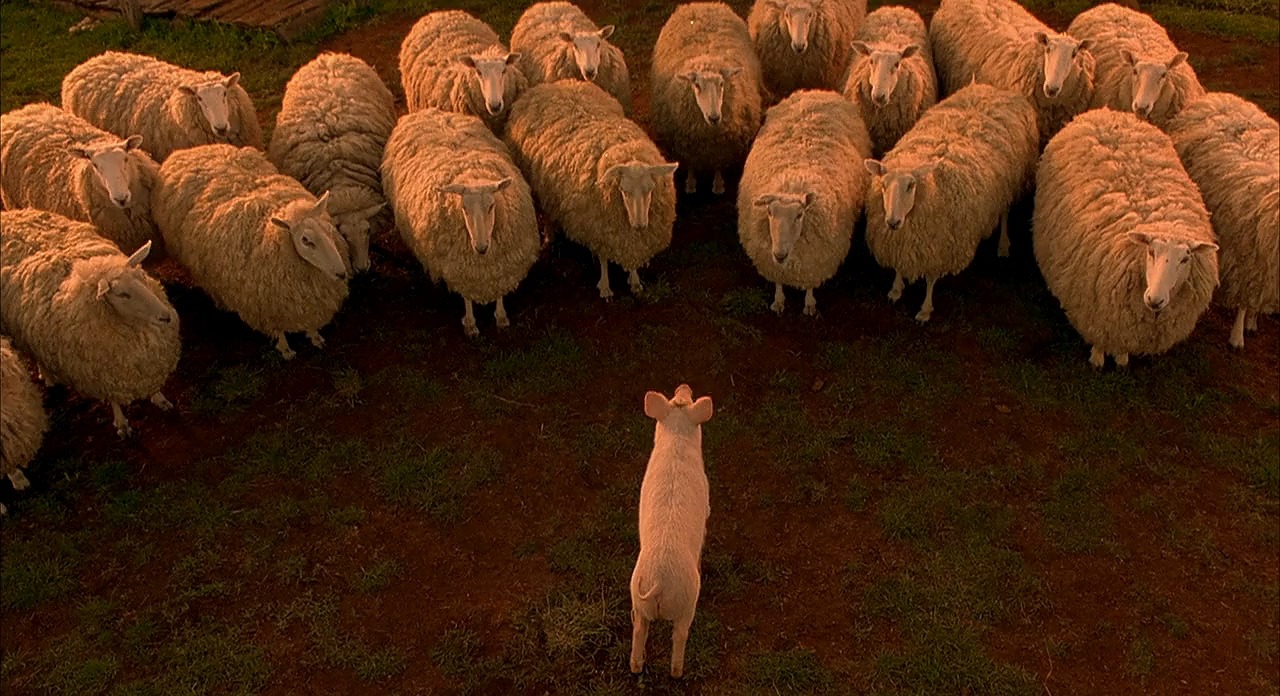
<point>825,28</point>
<point>888,31</point>
<point>546,55</point>
<point>23,421</point>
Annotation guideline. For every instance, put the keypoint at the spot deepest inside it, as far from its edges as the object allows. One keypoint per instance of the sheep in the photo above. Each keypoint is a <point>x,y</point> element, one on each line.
<point>462,207</point>
<point>596,174</point>
<point>56,161</point>
<point>891,77</point>
<point>255,240</point>
<point>674,506</point>
<point>1122,237</point>
<point>172,108</point>
<point>956,172</point>
<point>998,42</point>
<point>452,61</point>
<point>333,126</point>
<point>90,316</point>
<point>1231,149</point>
<point>556,41</point>
<point>706,105</point>
<point>1138,67</point>
<point>23,421</point>
<point>802,191</point>
<point>803,44</point>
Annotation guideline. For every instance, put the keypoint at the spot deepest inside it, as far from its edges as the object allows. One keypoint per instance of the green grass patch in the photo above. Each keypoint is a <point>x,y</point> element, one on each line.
<point>947,658</point>
<point>1262,28</point>
<point>1075,515</point>
<point>38,569</point>
<point>331,646</point>
<point>795,671</point>
<point>550,365</point>
<point>377,577</point>
<point>435,480</point>
<point>740,303</point>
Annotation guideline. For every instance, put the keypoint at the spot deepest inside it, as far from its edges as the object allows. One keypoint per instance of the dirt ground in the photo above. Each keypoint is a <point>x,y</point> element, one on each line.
<point>797,564</point>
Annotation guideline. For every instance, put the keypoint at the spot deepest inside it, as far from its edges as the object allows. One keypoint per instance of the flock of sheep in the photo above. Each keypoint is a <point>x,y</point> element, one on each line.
<point>828,111</point>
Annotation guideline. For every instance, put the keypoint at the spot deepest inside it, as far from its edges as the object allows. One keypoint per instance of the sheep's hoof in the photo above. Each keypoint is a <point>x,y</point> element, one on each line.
<point>677,672</point>
<point>161,402</point>
<point>895,295</point>
<point>1237,343</point>
<point>19,480</point>
<point>1097,360</point>
<point>288,354</point>
<point>923,315</point>
<point>606,294</point>
<point>1122,361</point>
<point>1003,252</point>
<point>811,310</point>
<point>691,184</point>
<point>502,321</point>
<point>778,306</point>
<point>637,667</point>
<point>316,339</point>
<point>124,431</point>
<point>471,330</point>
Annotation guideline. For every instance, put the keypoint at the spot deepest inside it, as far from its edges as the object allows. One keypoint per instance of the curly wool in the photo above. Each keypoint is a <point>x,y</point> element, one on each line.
<point>433,77</point>
<point>812,141</point>
<point>893,28</point>
<point>1105,174</point>
<point>704,36</point>
<point>985,143</point>
<point>566,135</point>
<point>1114,28</point>
<point>1231,149</point>
<point>432,148</point>
<point>333,126</point>
<point>545,57</point>
<point>23,421</point>
<point>128,94</point>
<point>993,42</point>
<point>214,207</point>
<point>39,170</point>
<point>823,63</point>
<point>49,305</point>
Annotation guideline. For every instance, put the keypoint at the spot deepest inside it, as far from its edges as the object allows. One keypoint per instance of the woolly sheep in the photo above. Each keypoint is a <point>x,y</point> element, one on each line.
<point>462,207</point>
<point>1122,237</point>
<point>55,161</point>
<point>956,172</point>
<point>998,42</point>
<point>705,107</point>
<point>255,240</point>
<point>88,315</point>
<point>674,505</point>
<point>803,44</point>
<point>802,191</point>
<point>23,421</point>
<point>891,77</point>
<point>556,41</point>
<point>452,61</point>
<point>333,126</point>
<point>596,174</point>
<point>172,108</point>
<point>1231,149</point>
<point>1138,67</point>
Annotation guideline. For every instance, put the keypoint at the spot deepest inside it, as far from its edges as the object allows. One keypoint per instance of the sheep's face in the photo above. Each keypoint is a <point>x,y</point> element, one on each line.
<point>636,181</point>
<point>478,209</point>
<point>1168,263</point>
<point>586,49</point>
<point>882,78</point>
<point>311,233</point>
<point>125,289</point>
<point>796,18</point>
<point>898,189</point>
<point>1060,52</point>
<point>354,228</point>
<point>708,89</point>
<point>110,162</point>
<point>680,413</point>
<point>212,98</point>
<point>492,74</point>
<point>786,220</point>
<point>1149,80</point>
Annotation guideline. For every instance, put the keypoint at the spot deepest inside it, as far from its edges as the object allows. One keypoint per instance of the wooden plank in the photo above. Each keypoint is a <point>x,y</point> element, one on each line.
<point>293,9</point>
<point>237,11</point>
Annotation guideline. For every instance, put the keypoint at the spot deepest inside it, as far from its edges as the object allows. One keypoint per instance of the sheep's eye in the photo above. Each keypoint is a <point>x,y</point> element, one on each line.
<point>911,185</point>
<point>1185,259</point>
<point>310,244</point>
<point>125,295</point>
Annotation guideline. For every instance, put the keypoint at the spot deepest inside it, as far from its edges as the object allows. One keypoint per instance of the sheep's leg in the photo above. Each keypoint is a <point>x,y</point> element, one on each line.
<point>469,319</point>
<point>717,184</point>
<point>926,309</point>
<point>639,634</point>
<point>19,480</point>
<point>679,636</point>
<point>605,291</point>
<point>1237,331</point>
<point>1004,234</point>
<point>500,316</point>
<point>779,299</point>
<point>1097,358</point>
<point>118,420</point>
<point>690,182</point>
<point>810,304</point>
<point>161,403</point>
<point>316,339</point>
<point>548,231</point>
<point>1251,323</point>
<point>895,293</point>
<point>1122,360</point>
<point>633,278</point>
<point>282,345</point>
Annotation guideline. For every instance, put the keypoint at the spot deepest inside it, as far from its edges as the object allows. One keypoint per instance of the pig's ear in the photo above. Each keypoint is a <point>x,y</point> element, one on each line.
<point>656,406</point>
<point>700,411</point>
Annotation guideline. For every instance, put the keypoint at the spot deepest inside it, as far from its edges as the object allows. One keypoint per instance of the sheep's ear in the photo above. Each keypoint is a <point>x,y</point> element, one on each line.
<point>566,36</point>
<point>687,77</point>
<point>1177,59</point>
<point>1202,247</point>
<point>923,171</point>
<point>501,184</point>
<point>279,223</point>
<point>468,61</point>
<point>656,406</point>
<point>611,172</point>
<point>1138,237</point>
<point>512,58</point>
<point>606,31</point>
<point>1086,45</point>
<point>860,48</point>
<point>132,142</point>
<point>80,151</point>
<point>808,198</point>
<point>874,167</point>
<point>764,199</point>
<point>187,89</point>
<point>1041,38</point>
<point>910,50</point>
<point>232,80</point>
<point>664,169</point>
<point>138,256</point>
<point>104,287</point>
<point>452,188</point>
<point>700,411</point>
<point>372,210</point>
<point>730,72</point>
<point>1129,58</point>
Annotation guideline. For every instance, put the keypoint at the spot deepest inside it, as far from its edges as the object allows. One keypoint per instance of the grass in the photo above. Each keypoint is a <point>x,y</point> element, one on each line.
<point>436,481</point>
<point>1076,518</point>
<point>331,646</point>
<point>377,577</point>
<point>37,570</point>
<point>795,671</point>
